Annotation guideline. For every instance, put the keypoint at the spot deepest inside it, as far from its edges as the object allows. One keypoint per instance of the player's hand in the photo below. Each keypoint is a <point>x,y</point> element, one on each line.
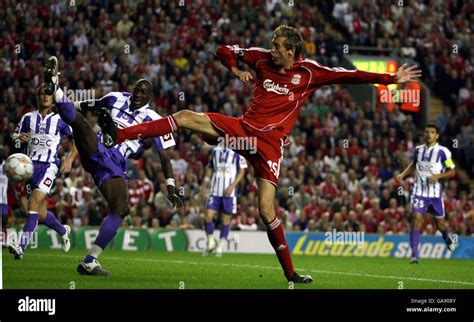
<point>66,166</point>
<point>405,74</point>
<point>24,137</point>
<point>176,201</point>
<point>245,77</point>
<point>399,178</point>
<point>434,178</point>
<point>228,191</point>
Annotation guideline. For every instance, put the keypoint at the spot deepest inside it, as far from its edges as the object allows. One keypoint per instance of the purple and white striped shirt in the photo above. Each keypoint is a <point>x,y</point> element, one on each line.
<point>226,165</point>
<point>45,135</point>
<point>119,105</point>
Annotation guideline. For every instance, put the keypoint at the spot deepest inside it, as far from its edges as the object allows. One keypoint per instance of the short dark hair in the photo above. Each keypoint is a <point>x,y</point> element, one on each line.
<point>293,38</point>
<point>432,126</point>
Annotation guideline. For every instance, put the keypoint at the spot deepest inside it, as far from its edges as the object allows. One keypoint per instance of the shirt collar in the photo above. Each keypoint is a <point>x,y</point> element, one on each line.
<point>141,109</point>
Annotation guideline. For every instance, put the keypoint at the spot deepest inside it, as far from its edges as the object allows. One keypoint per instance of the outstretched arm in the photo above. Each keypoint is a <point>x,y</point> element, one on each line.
<point>405,74</point>
<point>338,75</point>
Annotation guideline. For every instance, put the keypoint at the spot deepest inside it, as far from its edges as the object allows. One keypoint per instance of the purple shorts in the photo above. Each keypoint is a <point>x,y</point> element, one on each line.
<point>423,205</point>
<point>4,209</point>
<point>44,174</point>
<point>105,164</point>
<point>227,205</point>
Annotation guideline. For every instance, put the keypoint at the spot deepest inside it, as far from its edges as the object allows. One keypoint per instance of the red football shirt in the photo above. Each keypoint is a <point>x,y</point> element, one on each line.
<point>280,92</point>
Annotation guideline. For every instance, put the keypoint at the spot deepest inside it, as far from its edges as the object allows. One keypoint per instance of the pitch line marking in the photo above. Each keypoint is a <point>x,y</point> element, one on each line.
<point>273,268</point>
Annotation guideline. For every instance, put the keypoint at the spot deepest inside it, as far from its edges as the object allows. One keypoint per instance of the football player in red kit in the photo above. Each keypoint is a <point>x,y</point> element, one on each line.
<point>283,80</point>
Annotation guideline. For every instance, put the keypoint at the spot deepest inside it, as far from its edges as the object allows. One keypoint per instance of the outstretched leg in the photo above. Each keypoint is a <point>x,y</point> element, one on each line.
<point>84,136</point>
<point>276,235</point>
<point>115,191</point>
<point>185,119</point>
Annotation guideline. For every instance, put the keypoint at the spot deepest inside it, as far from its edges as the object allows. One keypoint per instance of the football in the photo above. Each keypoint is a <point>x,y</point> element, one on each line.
<point>19,167</point>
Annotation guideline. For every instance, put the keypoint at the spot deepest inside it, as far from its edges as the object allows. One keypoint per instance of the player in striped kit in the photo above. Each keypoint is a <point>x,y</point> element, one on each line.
<point>108,166</point>
<point>432,162</point>
<point>42,131</point>
<point>229,170</point>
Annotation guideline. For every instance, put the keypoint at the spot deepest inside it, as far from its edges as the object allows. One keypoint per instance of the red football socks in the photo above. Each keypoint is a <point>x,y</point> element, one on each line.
<point>147,130</point>
<point>277,239</point>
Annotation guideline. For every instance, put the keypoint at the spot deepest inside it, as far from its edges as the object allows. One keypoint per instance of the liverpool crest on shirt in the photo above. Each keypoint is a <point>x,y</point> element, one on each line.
<point>296,79</point>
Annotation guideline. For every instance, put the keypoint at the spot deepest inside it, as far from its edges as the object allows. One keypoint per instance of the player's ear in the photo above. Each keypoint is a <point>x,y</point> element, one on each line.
<point>291,52</point>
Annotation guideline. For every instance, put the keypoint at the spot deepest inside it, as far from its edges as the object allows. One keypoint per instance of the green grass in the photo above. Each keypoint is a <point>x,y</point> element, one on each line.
<point>51,269</point>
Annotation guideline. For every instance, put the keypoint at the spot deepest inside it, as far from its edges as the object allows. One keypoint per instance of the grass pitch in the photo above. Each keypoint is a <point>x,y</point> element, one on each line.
<point>52,269</point>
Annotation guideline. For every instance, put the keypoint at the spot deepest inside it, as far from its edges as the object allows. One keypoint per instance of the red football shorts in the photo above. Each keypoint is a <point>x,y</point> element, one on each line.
<point>263,150</point>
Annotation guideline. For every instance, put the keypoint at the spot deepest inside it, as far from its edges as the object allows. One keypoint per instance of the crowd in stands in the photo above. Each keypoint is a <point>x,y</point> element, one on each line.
<point>338,171</point>
<point>436,35</point>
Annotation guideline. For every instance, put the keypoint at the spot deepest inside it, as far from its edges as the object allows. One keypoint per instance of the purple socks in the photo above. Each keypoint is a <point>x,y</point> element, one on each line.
<point>107,232</point>
<point>224,231</point>
<point>446,238</point>
<point>65,107</point>
<point>209,227</point>
<point>29,229</point>
<point>414,242</point>
<point>53,223</point>
<point>108,229</point>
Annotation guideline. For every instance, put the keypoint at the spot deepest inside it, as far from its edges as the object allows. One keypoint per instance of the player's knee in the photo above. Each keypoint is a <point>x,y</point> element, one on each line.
<point>34,203</point>
<point>226,219</point>
<point>121,209</point>
<point>124,211</point>
<point>417,219</point>
<point>209,217</point>
<point>186,118</point>
<point>182,117</point>
<point>266,212</point>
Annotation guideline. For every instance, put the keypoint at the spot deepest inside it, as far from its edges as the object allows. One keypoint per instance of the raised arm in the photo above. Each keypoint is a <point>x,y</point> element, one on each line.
<point>338,75</point>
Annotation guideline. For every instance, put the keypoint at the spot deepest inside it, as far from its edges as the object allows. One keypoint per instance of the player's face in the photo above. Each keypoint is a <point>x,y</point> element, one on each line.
<point>141,95</point>
<point>430,135</point>
<point>44,101</point>
<point>281,55</point>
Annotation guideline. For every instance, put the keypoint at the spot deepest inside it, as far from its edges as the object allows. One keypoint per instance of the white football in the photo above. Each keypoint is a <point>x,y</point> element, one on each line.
<point>19,167</point>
